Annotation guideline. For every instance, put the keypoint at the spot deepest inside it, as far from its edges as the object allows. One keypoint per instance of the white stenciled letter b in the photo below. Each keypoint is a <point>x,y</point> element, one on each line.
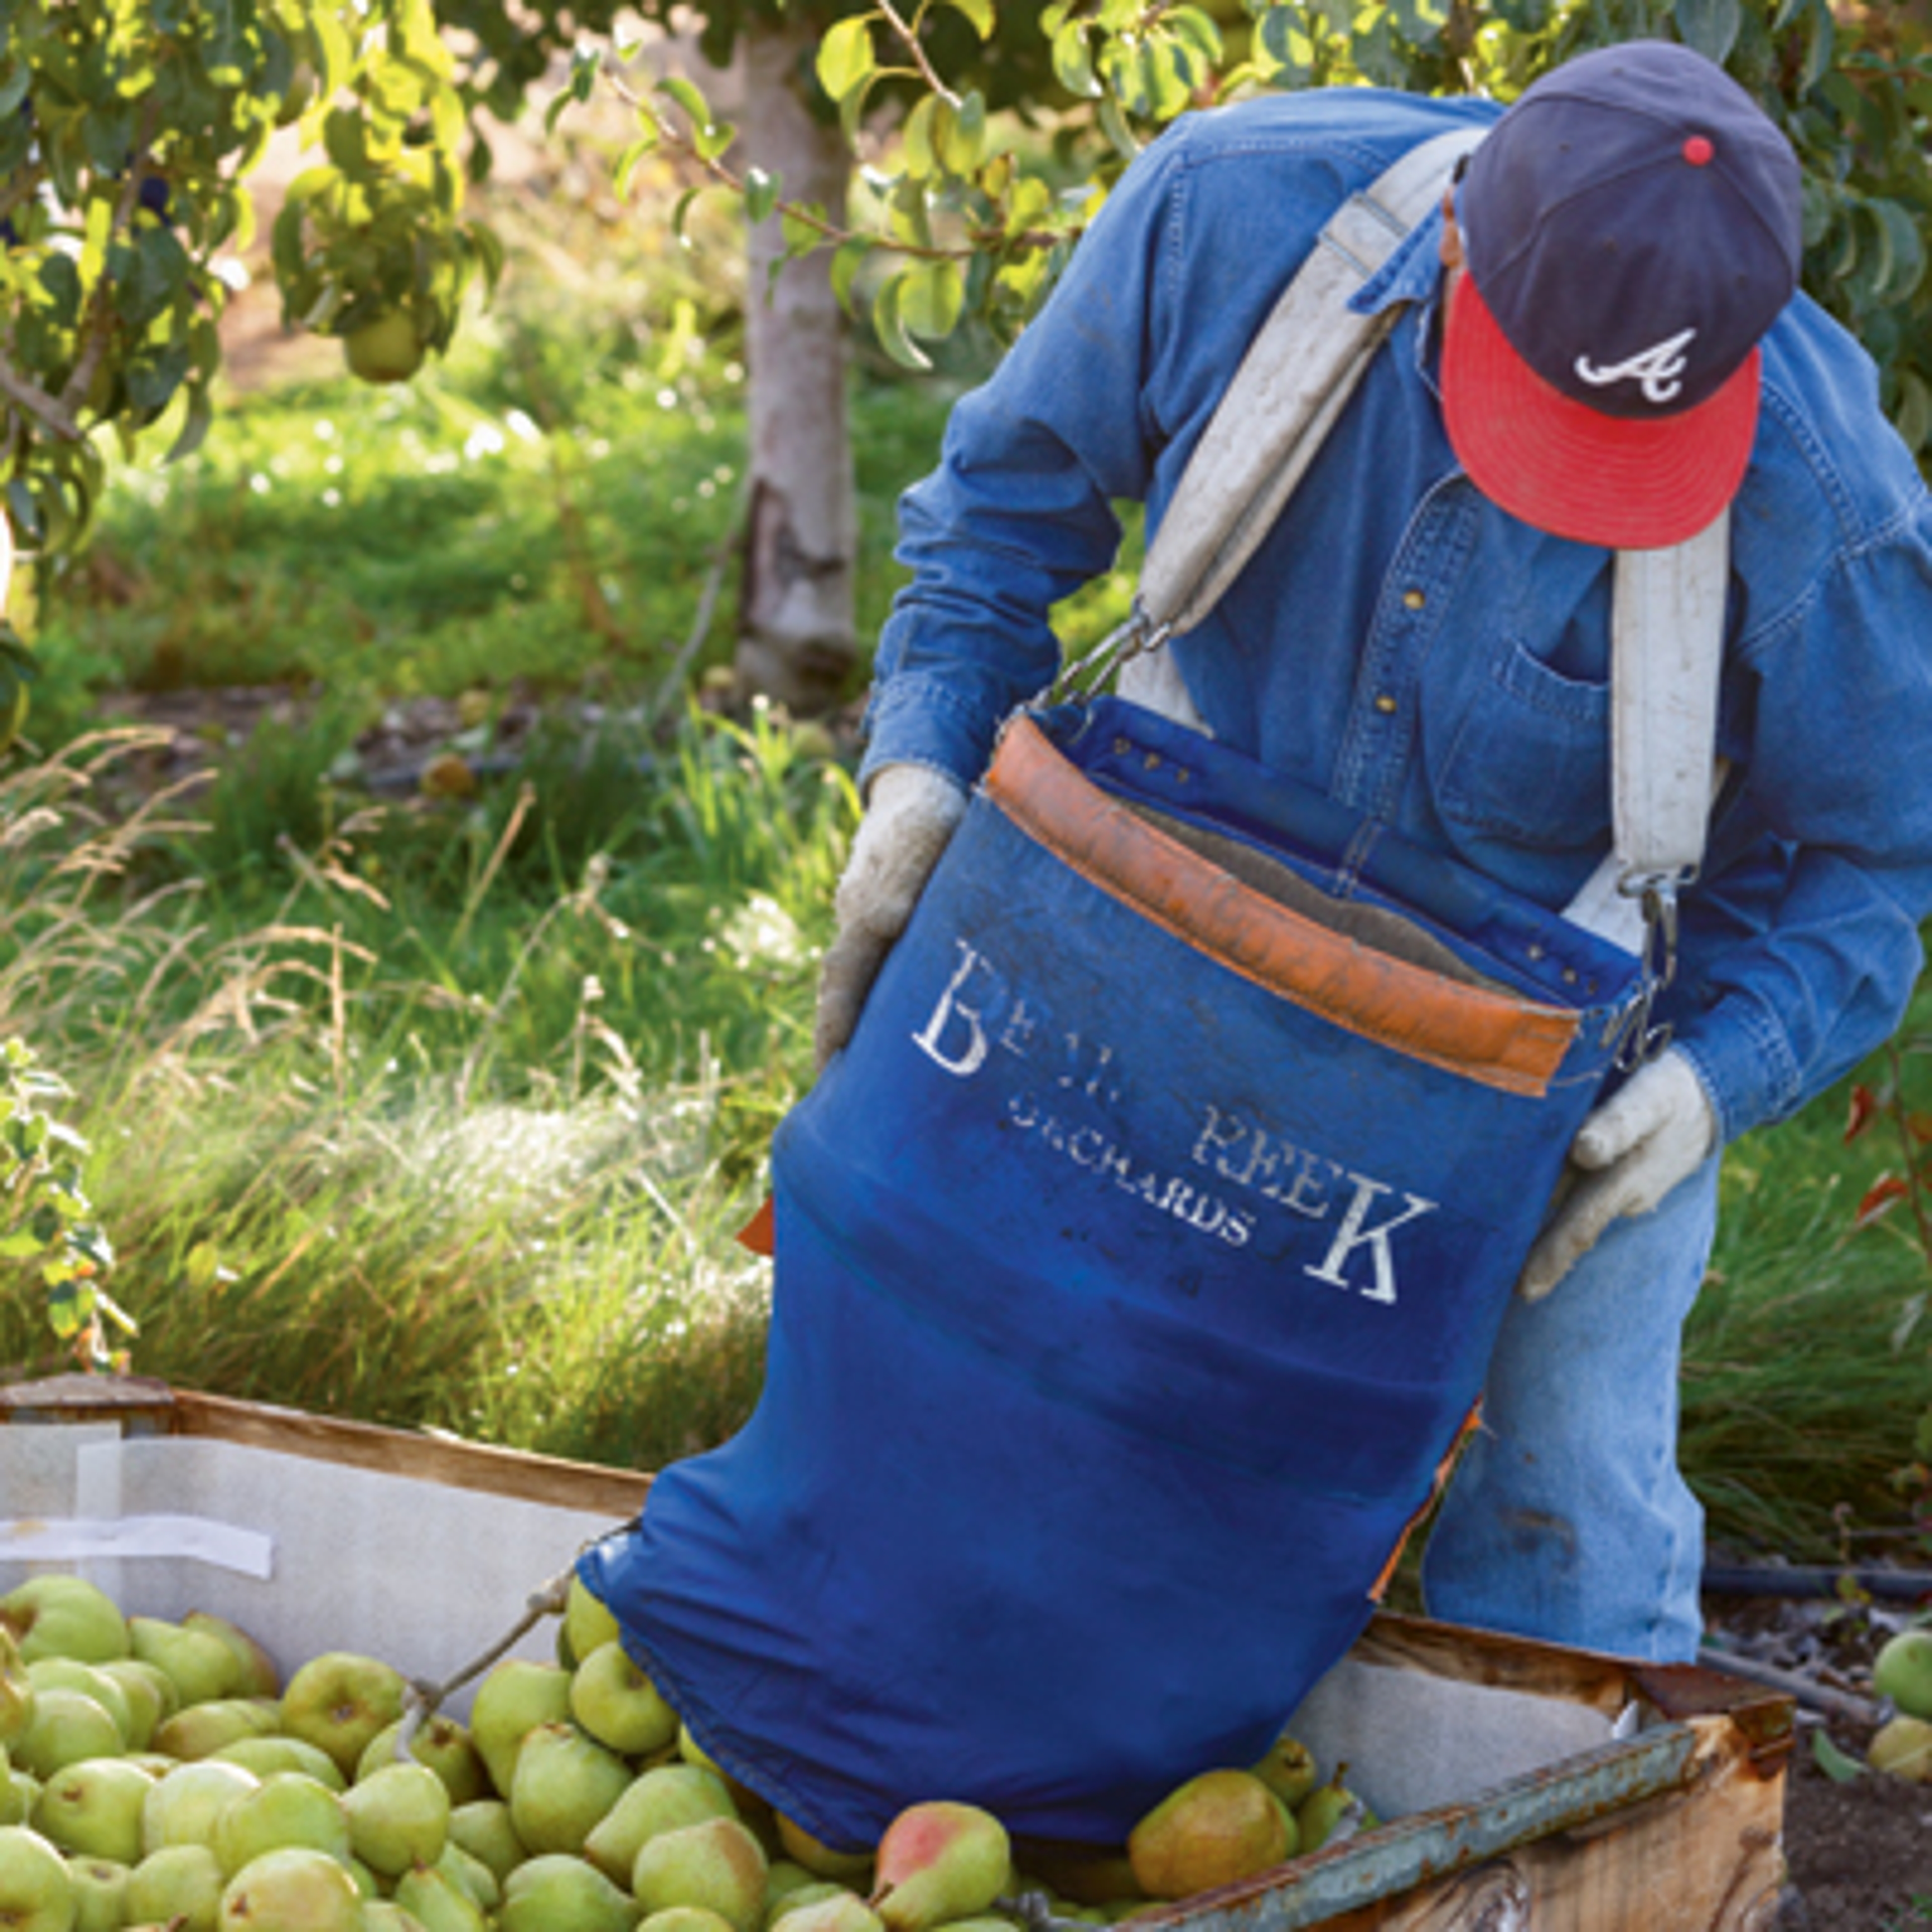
<point>953,1038</point>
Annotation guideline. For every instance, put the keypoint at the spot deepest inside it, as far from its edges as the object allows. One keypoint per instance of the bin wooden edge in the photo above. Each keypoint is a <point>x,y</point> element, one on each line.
<point>142,1405</point>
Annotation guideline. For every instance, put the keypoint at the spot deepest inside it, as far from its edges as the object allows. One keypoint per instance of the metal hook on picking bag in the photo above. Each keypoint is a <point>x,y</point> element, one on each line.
<point>1089,674</point>
<point>1641,1041</point>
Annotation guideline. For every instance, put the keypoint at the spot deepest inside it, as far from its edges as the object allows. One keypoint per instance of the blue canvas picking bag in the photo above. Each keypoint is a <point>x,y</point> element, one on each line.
<point>1137,1266</point>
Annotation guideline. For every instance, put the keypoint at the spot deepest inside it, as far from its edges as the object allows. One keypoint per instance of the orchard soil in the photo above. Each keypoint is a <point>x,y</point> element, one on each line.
<point>1860,1852</point>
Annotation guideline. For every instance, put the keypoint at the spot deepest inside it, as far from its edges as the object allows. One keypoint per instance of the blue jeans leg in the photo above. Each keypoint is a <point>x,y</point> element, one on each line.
<point>1567,1519</point>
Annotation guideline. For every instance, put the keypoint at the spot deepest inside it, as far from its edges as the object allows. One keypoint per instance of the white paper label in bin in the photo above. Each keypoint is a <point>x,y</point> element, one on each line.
<point>85,1539</point>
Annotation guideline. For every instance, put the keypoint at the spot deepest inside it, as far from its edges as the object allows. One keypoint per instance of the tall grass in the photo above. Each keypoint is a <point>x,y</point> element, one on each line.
<point>476,1165</point>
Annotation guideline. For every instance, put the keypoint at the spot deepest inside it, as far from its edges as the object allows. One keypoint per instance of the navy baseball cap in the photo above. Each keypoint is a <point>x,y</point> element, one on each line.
<point>1630,228</point>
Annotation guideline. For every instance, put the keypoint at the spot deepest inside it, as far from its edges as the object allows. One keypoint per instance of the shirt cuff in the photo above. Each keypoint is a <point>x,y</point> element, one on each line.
<point>915,720</point>
<point>1744,1057</point>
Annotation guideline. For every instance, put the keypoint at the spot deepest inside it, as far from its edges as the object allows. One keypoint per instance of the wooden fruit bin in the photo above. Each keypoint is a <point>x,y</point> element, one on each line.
<point>1524,1785</point>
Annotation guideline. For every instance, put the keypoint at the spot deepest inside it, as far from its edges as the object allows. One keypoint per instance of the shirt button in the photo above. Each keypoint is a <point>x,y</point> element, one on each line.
<point>1413,600</point>
<point>1385,704</point>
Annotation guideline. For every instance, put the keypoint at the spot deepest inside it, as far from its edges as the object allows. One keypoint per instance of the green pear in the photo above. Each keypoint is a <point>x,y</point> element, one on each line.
<point>181,1806</point>
<point>285,1810</point>
<point>36,1889</point>
<point>1331,1812</point>
<point>19,1791</point>
<point>432,1897</point>
<point>587,1625</point>
<point>843,1911</point>
<point>385,1915</point>
<point>200,1730</point>
<point>339,1701</point>
<point>178,1882</point>
<point>398,1816</point>
<point>658,1800</point>
<point>99,1893</point>
<point>92,1810</point>
<point>202,1668</point>
<point>1215,1828</point>
<point>442,1743</point>
<point>686,1919</point>
<point>716,1864</point>
<point>58,1615</point>
<point>468,1873</point>
<point>63,1673</point>
<point>783,1877</point>
<point>553,1892</point>
<point>149,1695</point>
<point>296,1889</point>
<point>259,1676</point>
<point>68,1726</point>
<point>1903,1746</point>
<point>276,1752</point>
<point>516,1697</point>
<point>1902,1672</point>
<point>483,1829</point>
<point>747,1800</point>
<point>819,1858</point>
<point>563,1785</point>
<point>815,1891</point>
<point>17,1689</point>
<point>619,1706</point>
<point>1288,1770</point>
<point>938,1861</point>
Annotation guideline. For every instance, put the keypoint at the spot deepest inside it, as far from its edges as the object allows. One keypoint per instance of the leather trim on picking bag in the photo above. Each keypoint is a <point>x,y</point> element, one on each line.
<point>1494,1039</point>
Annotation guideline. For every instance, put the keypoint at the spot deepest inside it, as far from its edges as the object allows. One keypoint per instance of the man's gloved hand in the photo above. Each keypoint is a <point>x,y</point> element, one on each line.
<point>910,815</point>
<point>1655,1131</point>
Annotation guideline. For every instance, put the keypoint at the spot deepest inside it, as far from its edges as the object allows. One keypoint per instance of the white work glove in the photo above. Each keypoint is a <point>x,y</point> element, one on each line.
<point>1657,1130</point>
<point>910,815</point>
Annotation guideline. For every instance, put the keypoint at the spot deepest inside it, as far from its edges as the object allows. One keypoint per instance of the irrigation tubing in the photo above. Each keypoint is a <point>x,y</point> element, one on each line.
<point>1799,1579</point>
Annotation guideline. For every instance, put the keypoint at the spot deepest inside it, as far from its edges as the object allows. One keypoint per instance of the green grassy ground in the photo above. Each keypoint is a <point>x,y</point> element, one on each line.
<point>445,1112</point>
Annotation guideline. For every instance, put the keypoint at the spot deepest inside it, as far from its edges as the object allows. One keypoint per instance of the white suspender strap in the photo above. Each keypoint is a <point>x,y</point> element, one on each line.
<point>1295,379</point>
<point>1667,644</point>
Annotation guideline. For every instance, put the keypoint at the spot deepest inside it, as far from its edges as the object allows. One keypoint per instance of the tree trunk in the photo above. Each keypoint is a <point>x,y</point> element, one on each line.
<point>797,640</point>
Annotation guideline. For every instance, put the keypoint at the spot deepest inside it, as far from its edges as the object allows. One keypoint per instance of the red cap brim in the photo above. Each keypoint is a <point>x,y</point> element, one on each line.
<point>1617,481</point>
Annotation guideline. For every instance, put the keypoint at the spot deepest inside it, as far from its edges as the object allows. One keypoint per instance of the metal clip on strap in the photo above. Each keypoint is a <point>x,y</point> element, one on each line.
<point>1658,895</point>
<point>1090,673</point>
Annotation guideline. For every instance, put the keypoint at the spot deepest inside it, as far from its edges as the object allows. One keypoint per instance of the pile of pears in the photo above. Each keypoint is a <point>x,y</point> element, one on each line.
<point>157,1776</point>
<point>1902,1671</point>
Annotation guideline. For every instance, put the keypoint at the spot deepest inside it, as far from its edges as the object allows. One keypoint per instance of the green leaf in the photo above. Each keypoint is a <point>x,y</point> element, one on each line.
<point>697,110</point>
<point>889,327</point>
<point>930,296</point>
<point>920,158</point>
<point>628,161</point>
<point>845,57</point>
<point>800,235</point>
<point>710,142</point>
<point>1283,38</point>
<point>761,193</point>
<point>1073,63</point>
<point>981,13</point>
<point>962,136</point>
<point>846,262</point>
<point>1840,1767</point>
<point>1708,27</point>
<point>1914,424</point>
<point>679,214</point>
<point>1905,252</point>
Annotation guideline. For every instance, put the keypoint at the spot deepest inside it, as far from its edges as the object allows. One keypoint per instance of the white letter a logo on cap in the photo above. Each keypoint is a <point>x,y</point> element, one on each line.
<point>1658,369</point>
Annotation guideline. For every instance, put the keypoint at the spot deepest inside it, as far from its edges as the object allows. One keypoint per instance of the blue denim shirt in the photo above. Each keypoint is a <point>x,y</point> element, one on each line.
<point>1417,653</point>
